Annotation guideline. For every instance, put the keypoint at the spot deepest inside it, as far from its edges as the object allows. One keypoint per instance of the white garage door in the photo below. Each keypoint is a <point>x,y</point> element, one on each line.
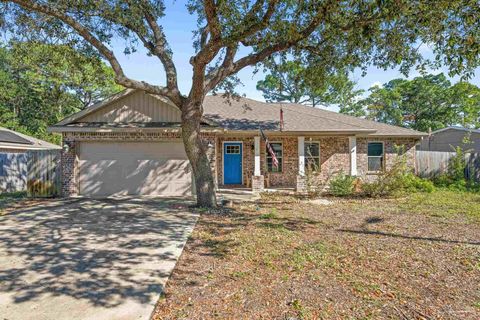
<point>134,168</point>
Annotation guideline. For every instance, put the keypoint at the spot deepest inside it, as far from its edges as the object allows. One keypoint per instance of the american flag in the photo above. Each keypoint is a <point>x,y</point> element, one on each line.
<point>270,149</point>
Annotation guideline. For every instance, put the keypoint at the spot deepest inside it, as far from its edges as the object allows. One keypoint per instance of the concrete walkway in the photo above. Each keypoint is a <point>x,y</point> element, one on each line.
<point>89,259</point>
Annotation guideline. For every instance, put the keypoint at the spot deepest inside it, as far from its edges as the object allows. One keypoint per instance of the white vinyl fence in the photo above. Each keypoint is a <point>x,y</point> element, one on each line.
<point>36,172</point>
<point>430,164</point>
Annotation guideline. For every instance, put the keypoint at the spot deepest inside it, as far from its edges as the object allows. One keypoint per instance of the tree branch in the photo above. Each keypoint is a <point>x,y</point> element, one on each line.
<point>212,19</point>
<point>227,70</point>
<point>260,25</point>
<point>162,51</point>
<point>214,77</point>
<point>83,31</point>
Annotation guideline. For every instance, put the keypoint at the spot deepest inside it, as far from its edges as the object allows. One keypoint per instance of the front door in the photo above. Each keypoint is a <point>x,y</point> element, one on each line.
<point>232,163</point>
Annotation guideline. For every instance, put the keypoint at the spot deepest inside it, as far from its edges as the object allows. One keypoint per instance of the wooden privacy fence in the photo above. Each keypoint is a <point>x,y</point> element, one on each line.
<point>36,172</point>
<point>430,164</point>
<point>44,176</point>
<point>13,172</point>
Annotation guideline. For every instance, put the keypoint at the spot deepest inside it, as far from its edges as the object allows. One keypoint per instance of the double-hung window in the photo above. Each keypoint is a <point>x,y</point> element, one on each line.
<point>375,156</point>
<point>278,150</point>
<point>312,156</point>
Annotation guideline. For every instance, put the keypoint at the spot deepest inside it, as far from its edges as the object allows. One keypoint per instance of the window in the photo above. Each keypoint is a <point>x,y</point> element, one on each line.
<point>277,148</point>
<point>232,149</point>
<point>312,156</point>
<point>375,156</point>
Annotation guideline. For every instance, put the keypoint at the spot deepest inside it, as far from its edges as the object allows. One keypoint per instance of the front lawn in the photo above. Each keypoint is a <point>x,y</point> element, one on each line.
<point>410,258</point>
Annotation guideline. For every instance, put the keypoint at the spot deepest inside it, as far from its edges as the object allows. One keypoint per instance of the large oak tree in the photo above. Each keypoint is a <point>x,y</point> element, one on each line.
<point>234,34</point>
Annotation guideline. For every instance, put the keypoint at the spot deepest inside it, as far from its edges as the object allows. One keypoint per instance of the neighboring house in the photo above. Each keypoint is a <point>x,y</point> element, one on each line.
<point>448,138</point>
<point>131,144</point>
<point>15,150</point>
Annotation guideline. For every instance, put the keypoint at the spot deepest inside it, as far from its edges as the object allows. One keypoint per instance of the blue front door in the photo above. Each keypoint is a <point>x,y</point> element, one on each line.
<point>232,163</point>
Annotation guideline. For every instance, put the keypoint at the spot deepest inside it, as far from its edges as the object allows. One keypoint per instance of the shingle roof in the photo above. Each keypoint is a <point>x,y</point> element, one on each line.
<point>248,114</point>
<point>12,137</point>
<point>457,128</point>
<point>15,140</point>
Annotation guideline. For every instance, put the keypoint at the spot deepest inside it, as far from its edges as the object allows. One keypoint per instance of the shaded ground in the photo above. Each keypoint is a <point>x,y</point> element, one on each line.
<point>88,259</point>
<point>414,258</point>
<point>12,201</point>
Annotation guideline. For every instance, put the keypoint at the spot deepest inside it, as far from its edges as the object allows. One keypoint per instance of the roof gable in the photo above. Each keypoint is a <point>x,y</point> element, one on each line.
<point>136,106</point>
<point>129,106</point>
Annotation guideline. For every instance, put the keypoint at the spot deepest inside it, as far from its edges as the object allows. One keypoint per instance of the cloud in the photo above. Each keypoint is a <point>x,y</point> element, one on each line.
<point>376,84</point>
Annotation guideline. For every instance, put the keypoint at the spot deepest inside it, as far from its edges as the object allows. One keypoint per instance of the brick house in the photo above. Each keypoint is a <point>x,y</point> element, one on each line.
<point>131,144</point>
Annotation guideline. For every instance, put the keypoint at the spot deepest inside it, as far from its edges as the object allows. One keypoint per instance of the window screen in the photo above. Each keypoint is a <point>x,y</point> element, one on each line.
<point>278,150</point>
<point>312,156</point>
<point>375,156</point>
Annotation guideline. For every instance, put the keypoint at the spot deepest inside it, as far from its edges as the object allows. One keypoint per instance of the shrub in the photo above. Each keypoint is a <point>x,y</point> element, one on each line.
<point>456,167</point>
<point>397,180</point>
<point>417,184</point>
<point>455,179</point>
<point>342,185</point>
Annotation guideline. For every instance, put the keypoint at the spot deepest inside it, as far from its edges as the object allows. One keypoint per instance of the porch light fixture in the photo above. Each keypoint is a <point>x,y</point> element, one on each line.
<point>66,148</point>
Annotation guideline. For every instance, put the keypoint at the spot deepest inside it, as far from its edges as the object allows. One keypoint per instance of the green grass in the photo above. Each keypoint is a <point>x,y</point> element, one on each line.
<point>477,305</point>
<point>444,203</point>
<point>7,198</point>
<point>271,215</point>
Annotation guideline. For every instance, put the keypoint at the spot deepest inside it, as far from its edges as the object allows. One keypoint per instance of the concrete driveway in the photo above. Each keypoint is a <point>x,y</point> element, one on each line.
<point>89,259</point>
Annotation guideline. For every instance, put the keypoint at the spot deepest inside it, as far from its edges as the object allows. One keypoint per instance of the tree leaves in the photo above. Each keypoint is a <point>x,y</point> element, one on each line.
<point>40,84</point>
<point>423,103</point>
<point>291,81</point>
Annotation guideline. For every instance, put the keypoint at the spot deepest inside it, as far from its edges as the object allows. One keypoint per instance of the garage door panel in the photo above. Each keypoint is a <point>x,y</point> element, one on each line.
<point>129,168</point>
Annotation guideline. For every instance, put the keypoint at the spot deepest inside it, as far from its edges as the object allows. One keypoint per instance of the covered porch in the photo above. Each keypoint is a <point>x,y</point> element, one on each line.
<point>244,165</point>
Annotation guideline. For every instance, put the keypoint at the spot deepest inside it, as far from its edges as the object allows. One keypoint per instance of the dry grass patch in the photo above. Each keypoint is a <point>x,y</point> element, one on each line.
<point>357,259</point>
<point>10,202</point>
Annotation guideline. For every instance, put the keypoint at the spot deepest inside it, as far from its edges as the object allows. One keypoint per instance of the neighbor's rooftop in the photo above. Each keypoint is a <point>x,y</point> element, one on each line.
<point>10,139</point>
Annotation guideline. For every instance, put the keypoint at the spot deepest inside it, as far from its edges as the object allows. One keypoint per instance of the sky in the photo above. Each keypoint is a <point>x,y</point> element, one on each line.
<point>178,25</point>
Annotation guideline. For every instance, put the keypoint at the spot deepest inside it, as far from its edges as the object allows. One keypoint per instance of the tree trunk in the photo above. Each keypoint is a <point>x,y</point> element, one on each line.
<point>196,152</point>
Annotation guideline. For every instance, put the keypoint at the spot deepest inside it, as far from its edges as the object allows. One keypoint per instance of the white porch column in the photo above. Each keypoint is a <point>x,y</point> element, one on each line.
<point>301,156</point>
<point>352,142</point>
<point>257,156</point>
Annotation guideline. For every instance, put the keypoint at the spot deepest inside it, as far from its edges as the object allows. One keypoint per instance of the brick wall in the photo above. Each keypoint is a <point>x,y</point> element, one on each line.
<point>334,155</point>
<point>390,150</point>
<point>290,160</point>
<point>69,163</point>
<point>70,170</point>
